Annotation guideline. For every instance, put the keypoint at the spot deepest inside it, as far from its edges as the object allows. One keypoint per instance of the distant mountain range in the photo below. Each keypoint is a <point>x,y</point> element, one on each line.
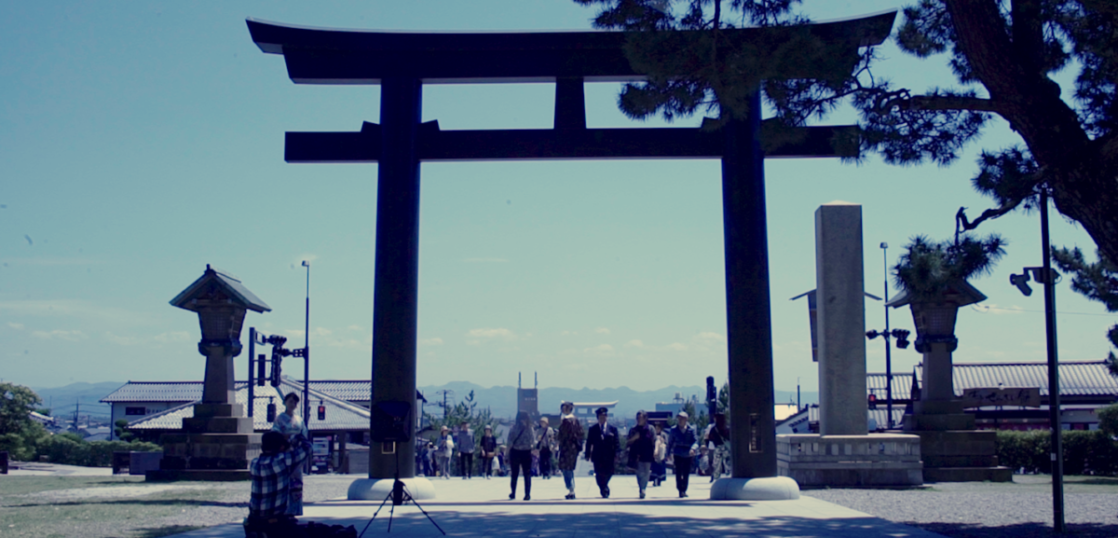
<point>82,397</point>
<point>500,400</point>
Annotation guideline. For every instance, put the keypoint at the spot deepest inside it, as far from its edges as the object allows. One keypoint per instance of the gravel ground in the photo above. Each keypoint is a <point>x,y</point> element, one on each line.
<point>1022,509</point>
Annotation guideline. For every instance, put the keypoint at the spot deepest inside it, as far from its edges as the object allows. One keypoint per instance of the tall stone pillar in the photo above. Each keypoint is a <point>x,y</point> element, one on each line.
<point>748,319</point>
<point>841,319</point>
<point>396,287</point>
<point>938,373</point>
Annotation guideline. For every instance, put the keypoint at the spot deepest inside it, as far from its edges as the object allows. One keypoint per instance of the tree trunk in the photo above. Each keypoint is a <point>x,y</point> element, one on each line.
<point>1082,173</point>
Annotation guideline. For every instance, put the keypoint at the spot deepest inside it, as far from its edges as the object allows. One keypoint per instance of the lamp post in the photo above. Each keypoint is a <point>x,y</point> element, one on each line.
<point>307,350</point>
<point>900,334</point>
<point>1046,276</point>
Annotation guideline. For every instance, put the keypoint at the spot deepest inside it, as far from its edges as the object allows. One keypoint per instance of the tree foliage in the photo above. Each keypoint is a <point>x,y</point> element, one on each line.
<point>928,268</point>
<point>1003,54</point>
<point>463,412</point>
<point>1097,281</point>
<point>19,434</point>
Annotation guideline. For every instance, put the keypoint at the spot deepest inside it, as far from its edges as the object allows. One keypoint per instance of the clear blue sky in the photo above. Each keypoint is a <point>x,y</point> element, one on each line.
<point>140,141</point>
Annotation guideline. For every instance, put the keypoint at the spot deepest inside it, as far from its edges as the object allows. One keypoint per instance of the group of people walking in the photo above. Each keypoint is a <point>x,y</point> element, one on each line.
<point>277,479</point>
<point>648,446</point>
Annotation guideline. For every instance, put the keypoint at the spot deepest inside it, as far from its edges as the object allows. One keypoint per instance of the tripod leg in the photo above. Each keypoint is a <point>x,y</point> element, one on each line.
<point>375,516</point>
<point>391,512</point>
<point>408,497</point>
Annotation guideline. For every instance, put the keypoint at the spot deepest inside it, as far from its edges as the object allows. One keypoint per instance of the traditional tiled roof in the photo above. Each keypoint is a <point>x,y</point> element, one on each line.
<point>902,384</point>
<point>350,390</point>
<point>340,414</point>
<point>191,391</point>
<point>1077,378</point>
<point>156,391</point>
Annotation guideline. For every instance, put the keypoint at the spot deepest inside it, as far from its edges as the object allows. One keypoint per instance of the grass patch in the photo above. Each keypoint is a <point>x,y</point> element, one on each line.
<point>22,485</point>
<point>35,516</point>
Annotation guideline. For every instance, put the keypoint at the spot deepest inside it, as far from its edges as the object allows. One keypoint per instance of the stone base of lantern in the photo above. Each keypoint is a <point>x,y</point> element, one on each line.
<point>217,444</point>
<point>952,449</point>
<point>874,460</point>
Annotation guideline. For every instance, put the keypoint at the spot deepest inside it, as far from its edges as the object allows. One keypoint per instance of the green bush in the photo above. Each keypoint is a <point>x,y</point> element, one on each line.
<point>1085,452</point>
<point>70,449</point>
<point>1108,419</point>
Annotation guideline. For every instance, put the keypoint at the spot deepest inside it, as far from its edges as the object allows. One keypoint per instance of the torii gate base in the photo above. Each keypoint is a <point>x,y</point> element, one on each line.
<point>403,63</point>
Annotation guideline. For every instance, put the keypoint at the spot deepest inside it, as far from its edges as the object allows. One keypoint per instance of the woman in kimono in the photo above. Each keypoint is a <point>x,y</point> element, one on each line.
<point>570,445</point>
<point>290,424</point>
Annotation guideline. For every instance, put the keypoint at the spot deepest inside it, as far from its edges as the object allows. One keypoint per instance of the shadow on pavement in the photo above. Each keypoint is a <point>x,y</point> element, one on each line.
<point>1020,530</point>
<point>409,522</point>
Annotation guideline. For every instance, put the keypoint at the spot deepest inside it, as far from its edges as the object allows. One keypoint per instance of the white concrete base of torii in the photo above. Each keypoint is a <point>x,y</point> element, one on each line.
<point>775,488</point>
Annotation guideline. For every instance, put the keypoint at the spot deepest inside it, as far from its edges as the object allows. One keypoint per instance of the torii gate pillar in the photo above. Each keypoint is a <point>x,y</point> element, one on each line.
<point>749,319</point>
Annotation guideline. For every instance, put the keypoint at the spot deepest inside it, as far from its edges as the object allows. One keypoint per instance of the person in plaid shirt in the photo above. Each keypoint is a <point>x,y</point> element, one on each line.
<point>270,474</point>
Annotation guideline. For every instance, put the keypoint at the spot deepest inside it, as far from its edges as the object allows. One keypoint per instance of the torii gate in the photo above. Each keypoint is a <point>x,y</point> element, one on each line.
<point>403,62</point>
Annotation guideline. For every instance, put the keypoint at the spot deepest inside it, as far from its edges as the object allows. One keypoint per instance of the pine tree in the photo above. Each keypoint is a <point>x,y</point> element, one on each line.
<point>1003,54</point>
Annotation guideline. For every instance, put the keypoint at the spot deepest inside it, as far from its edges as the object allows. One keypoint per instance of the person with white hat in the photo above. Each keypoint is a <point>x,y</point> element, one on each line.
<point>681,447</point>
<point>488,451</point>
<point>444,450</point>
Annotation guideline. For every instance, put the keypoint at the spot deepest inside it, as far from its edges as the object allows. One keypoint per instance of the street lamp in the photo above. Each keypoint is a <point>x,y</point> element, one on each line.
<point>900,334</point>
<point>307,350</point>
<point>1046,276</point>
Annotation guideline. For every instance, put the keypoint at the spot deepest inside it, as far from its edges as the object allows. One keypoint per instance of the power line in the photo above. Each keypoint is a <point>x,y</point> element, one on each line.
<point>989,309</point>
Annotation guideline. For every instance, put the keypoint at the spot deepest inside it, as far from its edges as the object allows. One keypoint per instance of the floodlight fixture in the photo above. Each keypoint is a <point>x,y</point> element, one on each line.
<point>1022,282</point>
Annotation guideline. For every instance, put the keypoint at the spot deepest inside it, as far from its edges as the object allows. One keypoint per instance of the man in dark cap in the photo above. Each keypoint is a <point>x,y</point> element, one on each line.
<point>681,447</point>
<point>602,446</point>
<point>271,472</point>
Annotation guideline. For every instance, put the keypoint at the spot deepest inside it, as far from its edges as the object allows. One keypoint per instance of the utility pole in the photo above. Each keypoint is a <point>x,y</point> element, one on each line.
<point>1053,372</point>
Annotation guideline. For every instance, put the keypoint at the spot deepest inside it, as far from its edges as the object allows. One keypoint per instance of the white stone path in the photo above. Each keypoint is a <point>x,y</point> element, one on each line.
<point>480,508</point>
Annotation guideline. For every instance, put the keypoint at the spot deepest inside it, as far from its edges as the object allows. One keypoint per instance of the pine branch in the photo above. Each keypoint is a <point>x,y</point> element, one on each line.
<point>948,102</point>
<point>962,224</point>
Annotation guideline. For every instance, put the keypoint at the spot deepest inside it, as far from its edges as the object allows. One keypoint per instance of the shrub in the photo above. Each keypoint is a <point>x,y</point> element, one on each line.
<point>1085,452</point>
<point>70,449</point>
<point>1108,419</point>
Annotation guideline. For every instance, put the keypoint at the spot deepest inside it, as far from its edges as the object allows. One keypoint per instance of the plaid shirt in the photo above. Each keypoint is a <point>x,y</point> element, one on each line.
<point>270,478</point>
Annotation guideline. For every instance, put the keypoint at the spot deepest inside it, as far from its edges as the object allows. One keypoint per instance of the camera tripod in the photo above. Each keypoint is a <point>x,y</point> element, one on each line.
<point>399,495</point>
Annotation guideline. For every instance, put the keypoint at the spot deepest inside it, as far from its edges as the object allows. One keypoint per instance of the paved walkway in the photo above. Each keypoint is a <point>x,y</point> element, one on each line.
<point>480,508</point>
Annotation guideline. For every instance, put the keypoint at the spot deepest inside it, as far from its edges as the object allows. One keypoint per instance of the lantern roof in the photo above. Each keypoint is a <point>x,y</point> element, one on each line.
<point>811,296</point>
<point>960,292</point>
<point>216,280</point>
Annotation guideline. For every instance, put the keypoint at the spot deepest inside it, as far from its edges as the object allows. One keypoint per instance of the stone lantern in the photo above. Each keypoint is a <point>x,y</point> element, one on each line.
<point>951,448</point>
<point>218,442</point>
<point>935,333</point>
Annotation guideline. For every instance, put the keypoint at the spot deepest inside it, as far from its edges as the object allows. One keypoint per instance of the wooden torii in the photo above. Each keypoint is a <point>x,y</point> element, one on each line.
<point>401,63</point>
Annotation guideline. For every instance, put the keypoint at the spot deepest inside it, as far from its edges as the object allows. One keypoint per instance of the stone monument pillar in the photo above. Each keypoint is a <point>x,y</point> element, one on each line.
<point>844,454</point>
<point>841,318</point>
<point>218,442</point>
